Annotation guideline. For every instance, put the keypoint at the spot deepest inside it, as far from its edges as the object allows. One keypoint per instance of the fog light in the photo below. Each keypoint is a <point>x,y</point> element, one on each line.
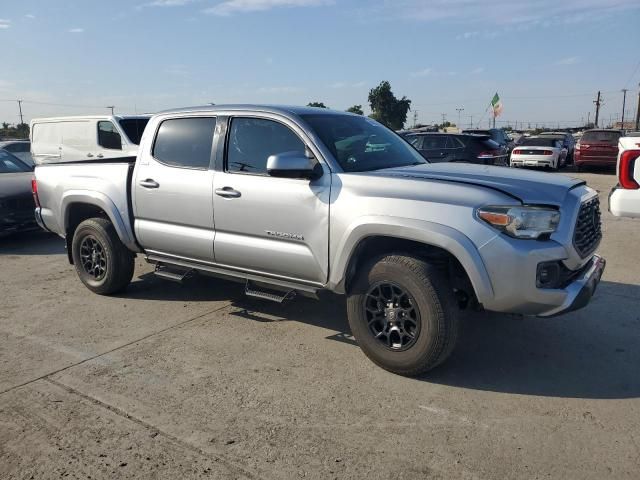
<point>548,275</point>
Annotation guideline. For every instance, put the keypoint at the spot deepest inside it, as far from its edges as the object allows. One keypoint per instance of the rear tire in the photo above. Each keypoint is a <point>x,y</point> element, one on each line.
<point>102,261</point>
<point>402,313</point>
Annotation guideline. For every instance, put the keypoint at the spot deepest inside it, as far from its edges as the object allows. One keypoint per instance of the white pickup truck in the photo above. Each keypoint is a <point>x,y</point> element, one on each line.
<point>624,199</point>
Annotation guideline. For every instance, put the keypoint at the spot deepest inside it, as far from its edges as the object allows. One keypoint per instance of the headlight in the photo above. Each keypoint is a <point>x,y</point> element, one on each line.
<point>521,222</point>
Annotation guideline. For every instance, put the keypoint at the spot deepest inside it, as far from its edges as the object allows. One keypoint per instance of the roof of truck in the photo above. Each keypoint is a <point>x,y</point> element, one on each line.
<point>286,109</point>
<point>89,117</point>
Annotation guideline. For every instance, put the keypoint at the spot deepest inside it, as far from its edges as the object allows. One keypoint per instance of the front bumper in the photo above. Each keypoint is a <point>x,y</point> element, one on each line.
<point>580,291</point>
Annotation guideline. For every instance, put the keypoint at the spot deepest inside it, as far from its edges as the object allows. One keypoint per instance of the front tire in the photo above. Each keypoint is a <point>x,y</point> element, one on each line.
<point>102,261</point>
<point>402,313</point>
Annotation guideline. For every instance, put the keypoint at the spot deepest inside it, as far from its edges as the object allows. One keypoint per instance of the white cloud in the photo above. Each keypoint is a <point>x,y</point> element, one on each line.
<point>568,61</point>
<point>477,70</point>
<point>4,23</point>
<point>177,70</point>
<point>425,72</point>
<point>30,15</point>
<point>229,7</point>
<point>76,30</point>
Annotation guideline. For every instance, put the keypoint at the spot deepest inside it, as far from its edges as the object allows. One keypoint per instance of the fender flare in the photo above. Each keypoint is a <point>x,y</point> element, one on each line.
<point>102,201</point>
<point>429,233</point>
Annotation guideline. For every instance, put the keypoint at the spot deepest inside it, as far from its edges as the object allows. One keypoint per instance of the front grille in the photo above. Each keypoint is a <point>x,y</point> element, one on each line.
<point>588,232</point>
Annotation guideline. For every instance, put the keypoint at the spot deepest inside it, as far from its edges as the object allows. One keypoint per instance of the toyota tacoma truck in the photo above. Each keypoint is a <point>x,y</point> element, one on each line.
<point>294,200</point>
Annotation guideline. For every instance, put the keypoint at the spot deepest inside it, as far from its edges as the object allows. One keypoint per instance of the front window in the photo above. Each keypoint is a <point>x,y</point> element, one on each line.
<point>361,144</point>
<point>108,136</point>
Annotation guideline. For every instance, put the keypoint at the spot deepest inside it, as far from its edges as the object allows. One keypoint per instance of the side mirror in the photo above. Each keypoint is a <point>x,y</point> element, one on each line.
<point>293,165</point>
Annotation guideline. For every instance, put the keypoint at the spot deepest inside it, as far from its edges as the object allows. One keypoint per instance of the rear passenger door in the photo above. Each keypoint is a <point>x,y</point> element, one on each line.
<point>172,190</point>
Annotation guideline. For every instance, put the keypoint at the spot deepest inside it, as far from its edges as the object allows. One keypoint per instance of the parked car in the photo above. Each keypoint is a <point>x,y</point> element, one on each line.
<point>597,148</point>
<point>498,135</point>
<point>16,199</point>
<point>302,204</point>
<point>548,152</point>
<point>457,147</point>
<point>18,148</point>
<point>568,142</point>
<point>624,199</point>
<point>72,139</point>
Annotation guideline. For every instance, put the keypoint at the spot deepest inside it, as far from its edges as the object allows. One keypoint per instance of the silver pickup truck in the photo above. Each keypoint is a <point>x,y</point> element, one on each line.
<point>299,200</point>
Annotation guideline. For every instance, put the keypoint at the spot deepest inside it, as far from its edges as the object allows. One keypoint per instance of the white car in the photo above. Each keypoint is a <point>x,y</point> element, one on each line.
<point>539,152</point>
<point>81,138</point>
<point>624,199</point>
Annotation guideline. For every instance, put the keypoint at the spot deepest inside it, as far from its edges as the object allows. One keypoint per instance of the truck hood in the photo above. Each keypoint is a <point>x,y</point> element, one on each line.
<point>527,186</point>
<point>15,184</point>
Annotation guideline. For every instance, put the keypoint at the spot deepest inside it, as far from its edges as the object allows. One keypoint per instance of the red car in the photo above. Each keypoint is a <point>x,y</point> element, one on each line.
<point>597,148</point>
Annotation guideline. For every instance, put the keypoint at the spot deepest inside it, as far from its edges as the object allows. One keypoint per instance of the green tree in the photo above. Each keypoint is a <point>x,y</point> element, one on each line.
<point>5,125</point>
<point>386,108</point>
<point>356,109</point>
<point>316,104</point>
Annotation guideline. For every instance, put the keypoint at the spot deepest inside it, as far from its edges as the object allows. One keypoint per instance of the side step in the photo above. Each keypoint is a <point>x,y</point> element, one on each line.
<point>252,290</point>
<point>174,275</point>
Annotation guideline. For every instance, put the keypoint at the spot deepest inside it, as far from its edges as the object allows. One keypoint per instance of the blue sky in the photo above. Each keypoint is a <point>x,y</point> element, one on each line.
<point>546,58</point>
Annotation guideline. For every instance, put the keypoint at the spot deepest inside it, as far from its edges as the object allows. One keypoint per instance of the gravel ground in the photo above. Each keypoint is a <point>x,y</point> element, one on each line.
<point>197,381</point>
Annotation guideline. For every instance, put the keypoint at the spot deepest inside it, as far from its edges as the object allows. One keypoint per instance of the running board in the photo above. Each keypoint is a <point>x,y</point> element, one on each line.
<point>163,271</point>
<point>251,290</point>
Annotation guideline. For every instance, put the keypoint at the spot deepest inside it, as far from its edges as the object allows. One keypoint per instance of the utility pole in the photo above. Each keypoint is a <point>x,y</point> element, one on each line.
<point>598,102</point>
<point>588,119</point>
<point>111,107</point>
<point>20,110</point>
<point>624,101</point>
<point>471,116</point>
<point>415,118</point>
<point>638,111</point>
<point>459,110</point>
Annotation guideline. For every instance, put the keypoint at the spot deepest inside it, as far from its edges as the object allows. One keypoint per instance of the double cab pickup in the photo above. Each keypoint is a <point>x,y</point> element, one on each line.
<point>294,200</point>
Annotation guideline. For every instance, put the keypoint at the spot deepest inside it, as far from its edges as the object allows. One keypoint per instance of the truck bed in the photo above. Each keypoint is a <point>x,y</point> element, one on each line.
<point>105,184</point>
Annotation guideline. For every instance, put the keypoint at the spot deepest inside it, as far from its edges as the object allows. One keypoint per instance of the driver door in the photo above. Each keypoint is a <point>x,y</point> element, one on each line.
<point>268,225</point>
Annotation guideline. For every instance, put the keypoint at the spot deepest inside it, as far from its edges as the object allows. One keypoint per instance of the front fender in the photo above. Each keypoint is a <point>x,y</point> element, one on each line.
<point>118,217</point>
<point>430,233</point>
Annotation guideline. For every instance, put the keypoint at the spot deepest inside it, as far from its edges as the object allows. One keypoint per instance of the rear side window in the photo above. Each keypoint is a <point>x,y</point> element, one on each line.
<point>253,140</point>
<point>108,136</point>
<point>185,142</point>
<point>434,141</point>
<point>453,142</point>
<point>610,138</point>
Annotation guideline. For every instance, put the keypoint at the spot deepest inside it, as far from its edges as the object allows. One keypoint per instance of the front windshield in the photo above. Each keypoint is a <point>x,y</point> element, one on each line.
<point>361,144</point>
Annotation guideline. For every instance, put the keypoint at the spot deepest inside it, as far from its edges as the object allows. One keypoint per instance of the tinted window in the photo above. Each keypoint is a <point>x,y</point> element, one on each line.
<point>20,147</point>
<point>253,140</point>
<point>361,144</point>
<point>434,141</point>
<point>415,140</point>
<point>185,142</point>
<point>133,128</point>
<point>10,164</point>
<point>453,142</point>
<point>600,137</point>
<point>108,136</point>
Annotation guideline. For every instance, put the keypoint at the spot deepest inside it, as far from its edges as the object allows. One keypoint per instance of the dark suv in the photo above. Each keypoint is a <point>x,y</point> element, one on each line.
<point>498,135</point>
<point>458,147</point>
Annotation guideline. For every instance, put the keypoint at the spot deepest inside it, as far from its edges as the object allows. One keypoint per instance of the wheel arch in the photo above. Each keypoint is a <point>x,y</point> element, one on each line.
<point>80,206</point>
<point>431,241</point>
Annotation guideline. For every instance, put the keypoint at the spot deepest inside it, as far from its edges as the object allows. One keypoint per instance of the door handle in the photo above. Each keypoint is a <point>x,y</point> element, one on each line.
<point>89,155</point>
<point>149,183</point>
<point>99,155</point>
<point>227,192</point>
